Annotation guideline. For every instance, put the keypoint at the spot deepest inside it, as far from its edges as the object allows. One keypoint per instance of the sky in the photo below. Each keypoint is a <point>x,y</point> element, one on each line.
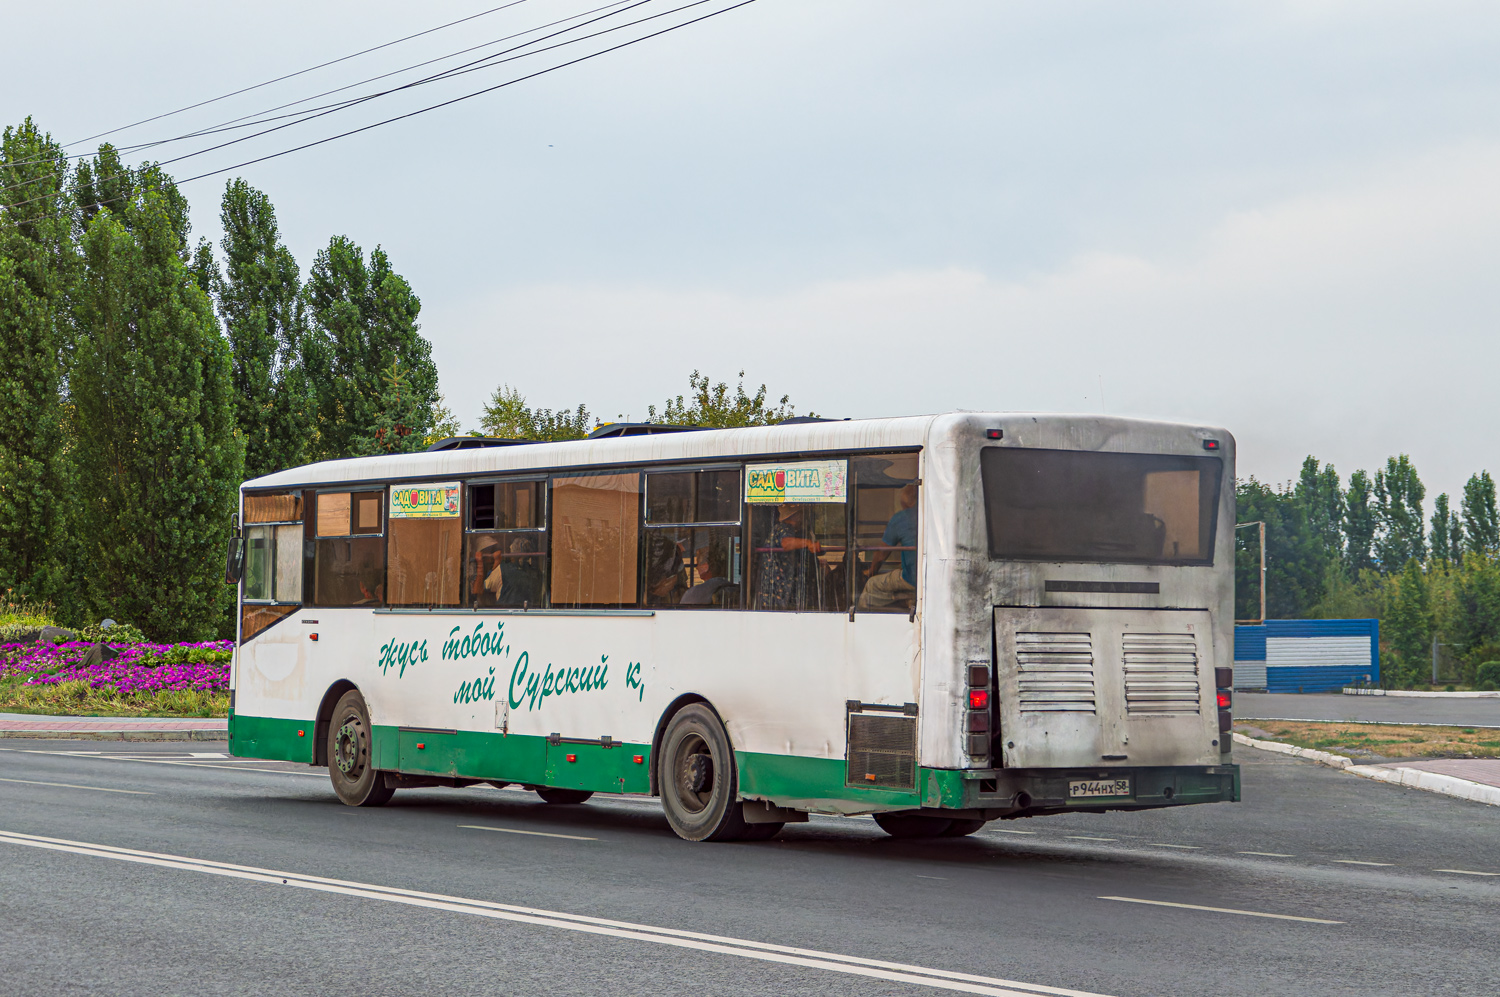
<point>1279,218</point>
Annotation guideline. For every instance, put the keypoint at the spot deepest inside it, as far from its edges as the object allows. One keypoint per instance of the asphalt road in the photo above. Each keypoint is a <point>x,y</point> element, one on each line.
<point>251,878</point>
<point>1336,706</point>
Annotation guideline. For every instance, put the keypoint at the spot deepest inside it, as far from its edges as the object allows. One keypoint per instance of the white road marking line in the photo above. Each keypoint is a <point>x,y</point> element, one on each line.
<point>1007,830</point>
<point>744,948</point>
<point>1222,910</point>
<point>170,761</point>
<point>943,878</point>
<point>516,830</point>
<point>69,785</point>
<point>1085,837</point>
<point>1163,844</point>
<point>1358,862</point>
<point>1468,872</point>
<point>1269,855</point>
<point>207,754</point>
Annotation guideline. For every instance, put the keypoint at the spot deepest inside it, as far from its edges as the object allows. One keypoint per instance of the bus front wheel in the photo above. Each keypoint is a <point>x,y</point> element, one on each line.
<point>899,825</point>
<point>698,781</point>
<point>355,780</point>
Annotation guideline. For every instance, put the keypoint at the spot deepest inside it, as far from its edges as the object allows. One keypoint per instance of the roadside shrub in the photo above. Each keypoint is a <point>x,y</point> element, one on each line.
<point>19,633</point>
<point>1487,678</point>
<point>120,633</point>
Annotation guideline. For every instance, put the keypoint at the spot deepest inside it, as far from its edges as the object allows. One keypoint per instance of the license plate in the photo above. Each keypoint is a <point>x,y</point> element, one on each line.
<point>1098,787</point>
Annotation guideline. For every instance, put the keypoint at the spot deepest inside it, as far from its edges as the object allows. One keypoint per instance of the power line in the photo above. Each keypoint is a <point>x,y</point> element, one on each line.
<point>424,110</point>
<point>300,72</point>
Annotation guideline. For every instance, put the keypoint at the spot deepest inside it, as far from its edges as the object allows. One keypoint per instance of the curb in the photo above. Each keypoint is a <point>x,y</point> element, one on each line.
<point>1420,694</point>
<point>119,735</point>
<point>1396,775</point>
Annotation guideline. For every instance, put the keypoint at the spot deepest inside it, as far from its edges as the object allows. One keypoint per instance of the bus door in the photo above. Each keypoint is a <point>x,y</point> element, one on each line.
<point>1089,688</point>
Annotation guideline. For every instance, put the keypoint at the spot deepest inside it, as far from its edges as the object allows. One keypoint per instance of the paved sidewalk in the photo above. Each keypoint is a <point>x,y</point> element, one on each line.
<point>1485,771</point>
<point>113,728</point>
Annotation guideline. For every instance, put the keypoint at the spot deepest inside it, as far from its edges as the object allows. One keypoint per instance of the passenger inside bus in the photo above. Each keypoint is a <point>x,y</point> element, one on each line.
<point>894,587</point>
<point>505,571</point>
<point>714,587</point>
<point>789,571</point>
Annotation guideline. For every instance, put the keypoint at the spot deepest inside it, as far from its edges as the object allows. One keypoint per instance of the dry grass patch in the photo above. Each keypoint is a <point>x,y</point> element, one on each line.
<point>78,699</point>
<point>1387,740</point>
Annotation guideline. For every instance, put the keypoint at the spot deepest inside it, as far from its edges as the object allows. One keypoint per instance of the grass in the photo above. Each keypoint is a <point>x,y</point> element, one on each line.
<point>29,614</point>
<point>78,699</point>
<point>1387,740</point>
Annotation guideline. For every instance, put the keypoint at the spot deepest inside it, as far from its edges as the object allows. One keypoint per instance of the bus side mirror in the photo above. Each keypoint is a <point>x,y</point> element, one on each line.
<point>234,561</point>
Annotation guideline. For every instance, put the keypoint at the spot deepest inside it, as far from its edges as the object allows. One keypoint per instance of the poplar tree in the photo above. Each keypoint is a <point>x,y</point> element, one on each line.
<point>1398,503</point>
<point>260,301</point>
<point>1359,525</point>
<point>37,261</point>
<point>157,460</point>
<point>1480,518</point>
<point>364,319</point>
<point>1408,624</point>
<point>1447,533</point>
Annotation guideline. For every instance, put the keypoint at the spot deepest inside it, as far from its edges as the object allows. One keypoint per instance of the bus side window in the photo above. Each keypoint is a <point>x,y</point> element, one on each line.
<point>349,551</point>
<point>692,539</point>
<point>505,547</point>
<point>799,536</point>
<point>595,539</point>
<point>886,515</point>
<point>424,544</point>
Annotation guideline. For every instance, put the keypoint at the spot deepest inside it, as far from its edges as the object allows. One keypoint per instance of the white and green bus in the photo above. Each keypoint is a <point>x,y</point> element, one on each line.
<point>937,620</point>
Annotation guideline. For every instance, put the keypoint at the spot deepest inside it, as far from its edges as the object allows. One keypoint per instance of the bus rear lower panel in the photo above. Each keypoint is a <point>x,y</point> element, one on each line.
<point>1034,792</point>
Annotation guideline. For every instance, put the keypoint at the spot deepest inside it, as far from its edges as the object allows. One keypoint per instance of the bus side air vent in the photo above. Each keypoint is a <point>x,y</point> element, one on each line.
<point>882,751</point>
<point>1161,673</point>
<point>1055,672</point>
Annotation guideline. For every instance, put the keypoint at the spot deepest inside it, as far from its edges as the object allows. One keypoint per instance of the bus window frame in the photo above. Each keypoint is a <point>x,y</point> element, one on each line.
<point>309,578</point>
<point>742,524</point>
<point>246,527</point>
<point>545,479</point>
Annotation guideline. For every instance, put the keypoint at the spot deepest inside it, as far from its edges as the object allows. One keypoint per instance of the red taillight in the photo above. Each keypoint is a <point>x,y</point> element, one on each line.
<point>1224,699</point>
<point>979,699</point>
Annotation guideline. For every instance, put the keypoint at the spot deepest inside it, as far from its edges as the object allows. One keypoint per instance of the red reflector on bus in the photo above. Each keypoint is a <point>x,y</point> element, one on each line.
<point>1210,444</point>
<point>1224,700</point>
<point>572,758</point>
<point>640,759</point>
<point>302,733</point>
<point>993,434</point>
<point>312,636</point>
<point>421,746</point>
<point>979,699</point>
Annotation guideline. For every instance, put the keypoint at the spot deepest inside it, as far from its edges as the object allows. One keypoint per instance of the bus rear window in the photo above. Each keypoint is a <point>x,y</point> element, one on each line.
<point>1071,505</point>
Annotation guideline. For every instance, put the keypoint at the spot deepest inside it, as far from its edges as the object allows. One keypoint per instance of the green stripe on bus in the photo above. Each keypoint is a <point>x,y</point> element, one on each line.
<point>271,738</point>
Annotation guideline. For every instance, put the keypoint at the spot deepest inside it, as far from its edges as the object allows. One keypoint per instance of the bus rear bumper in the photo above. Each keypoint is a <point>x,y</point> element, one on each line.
<point>1034,792</point>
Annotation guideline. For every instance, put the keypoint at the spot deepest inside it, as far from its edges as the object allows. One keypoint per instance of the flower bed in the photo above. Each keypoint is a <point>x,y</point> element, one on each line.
<point>143,678</point>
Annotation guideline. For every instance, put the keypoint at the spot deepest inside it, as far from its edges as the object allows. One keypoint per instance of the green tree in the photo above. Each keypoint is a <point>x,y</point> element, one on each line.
<point>37,266</point>
<point>396,417</point>
<point>712,405</point>
<point>1480,517</point>
<point>1398,505</point>
<point>1296,556</point>
<point>260,301</point>
<point>364,318</point>
<point>444,422</point>
<point>1359,525</point>
<point>157,457</point>
<point>1407,626</point>
<point>1322,499</point>
<point>1447,533</point>
<point>507,416</point>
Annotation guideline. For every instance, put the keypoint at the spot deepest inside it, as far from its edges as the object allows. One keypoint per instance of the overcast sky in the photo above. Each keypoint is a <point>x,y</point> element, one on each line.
<point>1283,218</point>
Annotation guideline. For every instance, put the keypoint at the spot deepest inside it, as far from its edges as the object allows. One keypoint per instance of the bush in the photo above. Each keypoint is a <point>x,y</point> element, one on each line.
<point>120,633</point>
<point>19,633</point>
<point>1487,678</point>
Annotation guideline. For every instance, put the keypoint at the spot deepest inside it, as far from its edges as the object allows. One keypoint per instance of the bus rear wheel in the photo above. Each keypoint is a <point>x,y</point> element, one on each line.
<point>357,782</point>
<point>563,795</point>
<point>899,825</point>
<point>697,778</point>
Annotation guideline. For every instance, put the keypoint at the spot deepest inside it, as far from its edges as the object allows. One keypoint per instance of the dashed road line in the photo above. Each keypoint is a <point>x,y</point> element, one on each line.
<point>1008,830</point>
<point>1163,844</point>
<point>517,830</point>
<point>1269,855</point>
<point>1223,910</point>
<point>69,785</point>
<point>1087,837</point>
<point>1360,862</point>
<point>1468,872</point>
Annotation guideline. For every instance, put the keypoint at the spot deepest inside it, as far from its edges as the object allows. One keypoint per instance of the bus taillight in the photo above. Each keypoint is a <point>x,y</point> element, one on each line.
<point>1224,681</point>
<point>978,725</point>
<point>979,699</point>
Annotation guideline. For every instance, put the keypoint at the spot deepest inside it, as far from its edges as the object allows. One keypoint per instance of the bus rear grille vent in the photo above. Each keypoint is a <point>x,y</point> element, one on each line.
<point>1055,672</point>
<point>1161,673</point>
<point>882,751</point>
